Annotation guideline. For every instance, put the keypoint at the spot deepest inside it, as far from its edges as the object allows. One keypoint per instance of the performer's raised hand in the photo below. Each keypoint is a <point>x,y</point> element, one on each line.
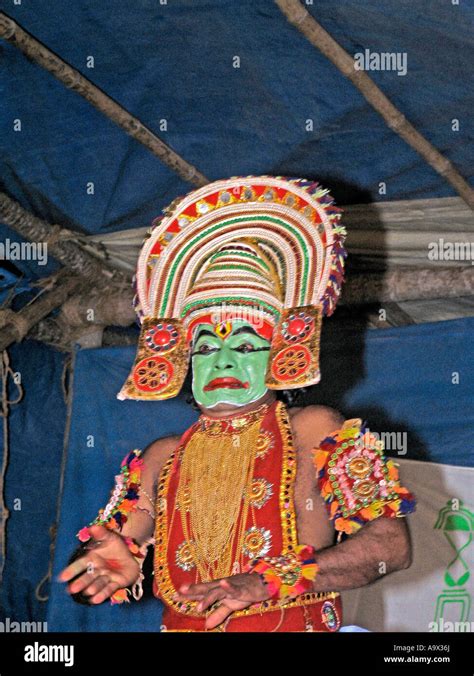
<point>229,593</point>
<point>107,565</point>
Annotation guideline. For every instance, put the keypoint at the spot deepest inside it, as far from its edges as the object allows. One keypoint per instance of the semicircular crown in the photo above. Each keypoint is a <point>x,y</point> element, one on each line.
<point>257,243</point>
<point>290,225</point>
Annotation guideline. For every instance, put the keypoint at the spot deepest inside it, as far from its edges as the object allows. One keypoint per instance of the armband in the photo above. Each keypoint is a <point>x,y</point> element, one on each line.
<point>288,575</point>
<point>355,480</point>
<point>123,501</point>
<point>124,497</point>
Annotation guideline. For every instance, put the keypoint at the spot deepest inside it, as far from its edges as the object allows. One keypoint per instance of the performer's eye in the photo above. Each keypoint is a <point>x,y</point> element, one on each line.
<point>205,348</point>
<point>245,348</point>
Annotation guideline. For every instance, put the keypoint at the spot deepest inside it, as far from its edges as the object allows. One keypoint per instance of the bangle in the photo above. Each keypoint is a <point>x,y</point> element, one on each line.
<point>139,553</point>
<point>288,575</point>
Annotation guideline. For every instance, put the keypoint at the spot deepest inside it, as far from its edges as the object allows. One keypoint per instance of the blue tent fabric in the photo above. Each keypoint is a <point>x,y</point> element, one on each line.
<point>172,66</point>
<point>417,380</point>
<point>36,430</point>
<point>398,379</point>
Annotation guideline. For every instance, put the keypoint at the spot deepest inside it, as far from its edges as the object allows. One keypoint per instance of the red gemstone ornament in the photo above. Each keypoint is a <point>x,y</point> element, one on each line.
<point>298,328</point>
<point>161,338</point>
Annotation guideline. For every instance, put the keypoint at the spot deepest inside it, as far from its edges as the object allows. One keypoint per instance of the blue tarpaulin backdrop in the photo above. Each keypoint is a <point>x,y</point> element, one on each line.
<point>235,89</point>
<point>103,431</point>
<point>284,110</point>
<point>36,427</point>
<point>397,379</point>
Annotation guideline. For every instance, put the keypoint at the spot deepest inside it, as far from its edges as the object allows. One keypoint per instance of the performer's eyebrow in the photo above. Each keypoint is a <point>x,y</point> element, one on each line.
<point>204,332</point>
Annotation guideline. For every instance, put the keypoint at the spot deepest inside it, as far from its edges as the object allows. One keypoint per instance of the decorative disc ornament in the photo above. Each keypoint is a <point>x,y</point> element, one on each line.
<point>157,371</point>
<point>184,556</point>
<point>162,338</point>
<point>265,443</point>
<point>358,467</point>
<point>365,489</point>
<point>257,542</point>
<point>297,328</point>
<point>297,364</point>
<point>152,374</point>
<point>291,363</point>
<point>261,491</point>
<point>270,249</point>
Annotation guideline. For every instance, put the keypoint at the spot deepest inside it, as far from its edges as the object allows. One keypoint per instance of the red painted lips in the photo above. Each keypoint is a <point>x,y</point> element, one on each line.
<point>230,383</point>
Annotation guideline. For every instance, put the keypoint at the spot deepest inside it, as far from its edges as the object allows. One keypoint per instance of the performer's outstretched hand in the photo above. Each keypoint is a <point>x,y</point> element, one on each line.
<point>232,593</point>
<point>105,567</point>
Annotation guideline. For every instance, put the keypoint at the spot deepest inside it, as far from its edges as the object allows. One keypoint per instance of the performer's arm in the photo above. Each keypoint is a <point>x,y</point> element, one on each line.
<point>114,545</point>
<point>366,501</point>
<point>376,546</point>
<point>381,547</point>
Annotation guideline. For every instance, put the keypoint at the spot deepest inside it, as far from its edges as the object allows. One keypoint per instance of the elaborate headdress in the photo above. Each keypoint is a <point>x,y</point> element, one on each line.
<point>267,249</point>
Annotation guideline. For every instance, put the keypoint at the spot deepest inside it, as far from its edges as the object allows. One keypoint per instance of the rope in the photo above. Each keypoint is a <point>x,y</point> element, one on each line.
<point>67,379</point>
<point>6,403</point>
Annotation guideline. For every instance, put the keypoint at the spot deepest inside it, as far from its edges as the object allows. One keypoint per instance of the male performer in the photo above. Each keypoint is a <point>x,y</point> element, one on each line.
<point>260,514</point>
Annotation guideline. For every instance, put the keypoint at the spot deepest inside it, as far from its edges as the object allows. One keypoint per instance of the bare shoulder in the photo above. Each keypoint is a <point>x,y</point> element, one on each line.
<point>154,457</point>
<point>322,416</point>
<point>311,424</point>
<point>159,450</point>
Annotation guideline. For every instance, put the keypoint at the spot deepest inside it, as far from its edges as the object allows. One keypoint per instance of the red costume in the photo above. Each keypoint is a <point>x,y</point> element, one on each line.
<point>270,529</point>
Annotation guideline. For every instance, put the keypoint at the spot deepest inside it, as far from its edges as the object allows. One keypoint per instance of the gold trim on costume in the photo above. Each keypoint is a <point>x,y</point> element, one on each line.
<point>288,475</point>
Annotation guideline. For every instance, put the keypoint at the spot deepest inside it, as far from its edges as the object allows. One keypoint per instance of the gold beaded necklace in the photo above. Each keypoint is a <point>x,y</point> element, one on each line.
<point>214,490</point>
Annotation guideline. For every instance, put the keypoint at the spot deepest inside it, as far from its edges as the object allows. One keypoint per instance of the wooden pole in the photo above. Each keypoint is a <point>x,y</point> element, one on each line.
<point>61,243</point>
<point>407,284</point>
<point>360,289</point>
<point>72,78</point>
<point>15,325</point>
<point>322,40</point>
<point>83,313</point>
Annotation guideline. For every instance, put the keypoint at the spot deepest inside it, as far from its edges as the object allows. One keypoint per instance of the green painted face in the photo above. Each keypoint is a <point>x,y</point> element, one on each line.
<point>229,370</point>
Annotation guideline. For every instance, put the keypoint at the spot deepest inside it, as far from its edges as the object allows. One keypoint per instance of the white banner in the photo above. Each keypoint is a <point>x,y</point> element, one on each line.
<point>436,593</point>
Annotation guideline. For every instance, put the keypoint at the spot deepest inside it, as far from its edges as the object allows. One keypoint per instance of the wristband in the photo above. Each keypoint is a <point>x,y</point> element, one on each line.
<point>139,553</point>
<point>288,575</point>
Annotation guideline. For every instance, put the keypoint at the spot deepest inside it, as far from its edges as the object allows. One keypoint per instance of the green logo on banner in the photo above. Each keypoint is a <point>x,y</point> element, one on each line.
<point>457,524</point>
